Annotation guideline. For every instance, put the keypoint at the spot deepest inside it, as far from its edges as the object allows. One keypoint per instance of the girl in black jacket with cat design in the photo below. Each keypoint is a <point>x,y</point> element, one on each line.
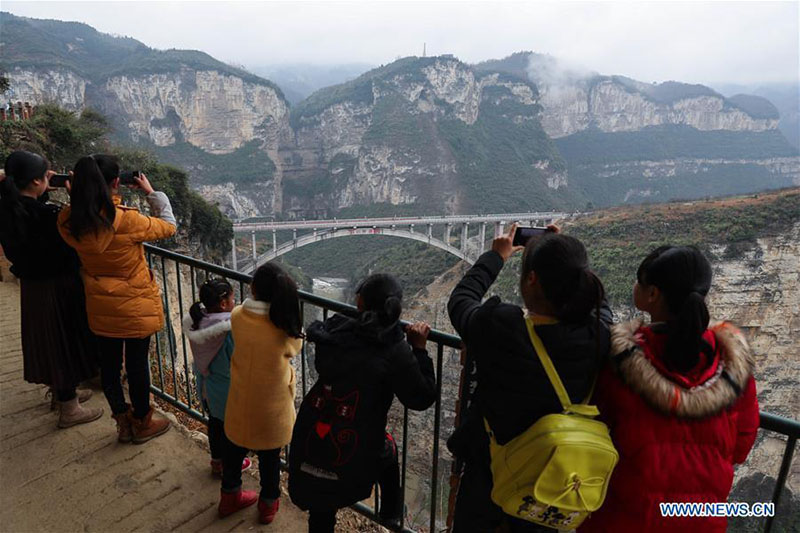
<point>340,446</point>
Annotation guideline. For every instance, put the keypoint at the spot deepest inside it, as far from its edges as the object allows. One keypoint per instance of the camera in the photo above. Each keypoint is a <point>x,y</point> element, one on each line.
<point>126,177</point>
<point>522,235</point>
<point>59,180</point>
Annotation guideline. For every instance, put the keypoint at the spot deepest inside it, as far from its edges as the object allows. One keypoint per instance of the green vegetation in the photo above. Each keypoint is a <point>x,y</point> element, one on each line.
<point>618,239</point>
<point>415,264</point>
<point>359,90</point>
<point>657,143</point>
<point>755,106</point>
<point>496,157</point>
<point>245,165</point>
<point>59,135</point>
<point>37,43</point>
<point>64,137</point>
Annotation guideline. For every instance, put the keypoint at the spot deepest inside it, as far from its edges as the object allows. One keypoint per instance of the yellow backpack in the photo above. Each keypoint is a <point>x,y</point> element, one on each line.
<point>555,473</point>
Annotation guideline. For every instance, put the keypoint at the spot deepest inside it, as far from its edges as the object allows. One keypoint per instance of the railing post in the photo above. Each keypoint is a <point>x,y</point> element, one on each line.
<point>779,484</point>
<point>464,237</point>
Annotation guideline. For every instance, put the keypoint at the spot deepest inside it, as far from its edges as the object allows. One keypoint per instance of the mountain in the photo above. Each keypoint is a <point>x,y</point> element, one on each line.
<point>784,96</point>
<point>430,134</point>
<point>626,141</point>
<point>299,80</point>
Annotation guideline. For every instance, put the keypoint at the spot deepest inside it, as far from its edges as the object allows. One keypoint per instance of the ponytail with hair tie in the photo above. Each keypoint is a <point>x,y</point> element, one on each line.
<point>683,275</point>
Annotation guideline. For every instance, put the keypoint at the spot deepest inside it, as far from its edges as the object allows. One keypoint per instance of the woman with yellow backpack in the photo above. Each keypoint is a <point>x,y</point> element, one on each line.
<point>535,369</point>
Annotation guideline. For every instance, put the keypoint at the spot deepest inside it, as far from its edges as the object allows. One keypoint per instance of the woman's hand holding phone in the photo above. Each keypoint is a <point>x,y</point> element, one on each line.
<point>504,244</point>
<point>141,182</point>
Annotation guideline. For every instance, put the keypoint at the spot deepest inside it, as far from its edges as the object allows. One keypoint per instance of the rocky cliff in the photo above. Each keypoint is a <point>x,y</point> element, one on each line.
<point>612,106</point>
<point>396,136</point>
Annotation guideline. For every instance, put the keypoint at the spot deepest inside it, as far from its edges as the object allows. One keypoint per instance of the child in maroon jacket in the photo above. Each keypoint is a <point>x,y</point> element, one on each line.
<point>680,400</point>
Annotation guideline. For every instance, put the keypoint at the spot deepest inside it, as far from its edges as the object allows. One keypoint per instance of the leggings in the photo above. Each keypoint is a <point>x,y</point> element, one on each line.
<point>269,469</point>
<point>137,367</point>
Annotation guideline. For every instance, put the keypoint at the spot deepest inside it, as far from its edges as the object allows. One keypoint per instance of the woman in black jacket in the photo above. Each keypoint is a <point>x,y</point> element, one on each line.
<point>566,302</point>
<point>57,347</point>
<point>340,446</point>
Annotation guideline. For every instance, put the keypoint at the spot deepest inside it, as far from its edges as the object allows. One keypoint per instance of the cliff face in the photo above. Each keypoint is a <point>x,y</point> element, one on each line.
<point>213,111</point>
<point>216,112</point>
<point>612,107</point>
<point>385,138</point>
<point>60,86</point>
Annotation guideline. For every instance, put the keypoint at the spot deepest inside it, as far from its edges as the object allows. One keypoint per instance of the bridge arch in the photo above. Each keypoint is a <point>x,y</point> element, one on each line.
<point>319,236</point>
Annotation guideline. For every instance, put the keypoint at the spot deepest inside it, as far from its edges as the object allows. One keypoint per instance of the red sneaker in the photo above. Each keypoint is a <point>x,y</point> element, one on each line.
<point>266,511</point>
<point>230,502</point>
<point>216,466</point>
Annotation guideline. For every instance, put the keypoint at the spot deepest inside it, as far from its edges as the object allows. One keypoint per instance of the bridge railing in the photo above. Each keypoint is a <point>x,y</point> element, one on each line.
<point>174,382</point>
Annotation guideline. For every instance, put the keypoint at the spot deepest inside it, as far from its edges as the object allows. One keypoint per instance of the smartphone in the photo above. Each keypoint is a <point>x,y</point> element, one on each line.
<point>126,177</point>
<point>522,235</point>
<point>59,180</point>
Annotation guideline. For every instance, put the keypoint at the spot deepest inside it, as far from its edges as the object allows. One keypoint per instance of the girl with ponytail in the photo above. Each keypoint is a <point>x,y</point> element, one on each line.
<point>123,301</point>
<point>565,304</point>
<point>679,397</point>
<point>58,349</point>
<point>267,333</point>
<point>340,446</point>
<point>208,328</point>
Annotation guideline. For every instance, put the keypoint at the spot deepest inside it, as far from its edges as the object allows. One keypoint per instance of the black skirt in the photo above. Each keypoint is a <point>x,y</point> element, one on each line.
<point>58,349</point>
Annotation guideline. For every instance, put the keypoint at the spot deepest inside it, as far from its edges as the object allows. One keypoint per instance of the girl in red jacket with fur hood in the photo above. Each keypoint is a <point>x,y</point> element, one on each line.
<point>679,398</point>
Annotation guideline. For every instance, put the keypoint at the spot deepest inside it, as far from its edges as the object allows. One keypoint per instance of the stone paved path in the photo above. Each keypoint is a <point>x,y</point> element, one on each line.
<point>82,479</point>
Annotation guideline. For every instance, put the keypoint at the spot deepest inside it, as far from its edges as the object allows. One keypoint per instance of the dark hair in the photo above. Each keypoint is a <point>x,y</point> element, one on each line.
<point>108,165</point>
<point>562,266</point>
<point>21,169</point>
<point>212,292</point>
<point>272,284</point>
<point>382,296</point>
<point>683,275</point>
<point>92,208</point>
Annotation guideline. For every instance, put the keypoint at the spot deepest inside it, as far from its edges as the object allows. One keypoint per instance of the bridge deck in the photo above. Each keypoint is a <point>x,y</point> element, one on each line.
<point>82,479</point>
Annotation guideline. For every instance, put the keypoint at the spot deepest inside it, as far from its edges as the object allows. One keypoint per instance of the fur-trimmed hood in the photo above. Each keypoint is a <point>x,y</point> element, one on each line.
<point>208,338</point>
<point>720,391</point>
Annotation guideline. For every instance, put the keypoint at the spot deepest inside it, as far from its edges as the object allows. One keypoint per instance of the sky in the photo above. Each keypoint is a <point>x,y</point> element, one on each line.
<point>746,43</point>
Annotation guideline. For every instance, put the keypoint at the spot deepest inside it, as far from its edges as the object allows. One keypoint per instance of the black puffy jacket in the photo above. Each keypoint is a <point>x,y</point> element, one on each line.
<point>338,439</point>
<point>513,390</point>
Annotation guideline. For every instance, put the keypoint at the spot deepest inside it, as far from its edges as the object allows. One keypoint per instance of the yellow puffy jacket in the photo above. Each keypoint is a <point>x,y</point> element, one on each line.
<point>122,296</point>
<point>259,414</point>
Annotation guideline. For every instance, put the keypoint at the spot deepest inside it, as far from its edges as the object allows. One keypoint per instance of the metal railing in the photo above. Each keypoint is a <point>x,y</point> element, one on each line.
<point>175,381</point>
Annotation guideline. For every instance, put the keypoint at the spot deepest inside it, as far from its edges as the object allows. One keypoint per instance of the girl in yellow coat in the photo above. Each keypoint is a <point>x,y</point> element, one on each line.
<point>259,415</point>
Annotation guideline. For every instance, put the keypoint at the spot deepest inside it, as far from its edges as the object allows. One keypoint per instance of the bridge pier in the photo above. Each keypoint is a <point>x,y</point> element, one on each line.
<point>464,237</point>
<point>274,240</point>
<point>498,229</point>
<point>483,236</point>
<point>411,228</point>
<point>430,232</point>
<point>447,233</point>
<point>253,239</point>
<point>233,253</point>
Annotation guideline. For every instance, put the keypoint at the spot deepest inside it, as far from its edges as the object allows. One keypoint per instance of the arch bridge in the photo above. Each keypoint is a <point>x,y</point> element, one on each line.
<point>420,229</point>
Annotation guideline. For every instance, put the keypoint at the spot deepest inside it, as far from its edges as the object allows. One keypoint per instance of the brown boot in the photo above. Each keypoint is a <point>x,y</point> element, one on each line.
<point>124,433</point>
<point>72,414</point>
<point>151,426</point>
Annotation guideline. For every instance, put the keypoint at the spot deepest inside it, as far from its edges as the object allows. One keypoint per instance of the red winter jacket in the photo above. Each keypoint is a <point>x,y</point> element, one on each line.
<point>678,435</point>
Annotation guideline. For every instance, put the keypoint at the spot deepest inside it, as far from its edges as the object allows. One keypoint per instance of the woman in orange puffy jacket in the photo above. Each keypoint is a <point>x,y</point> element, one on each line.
<point>679,398</point>
<point>123,302</point>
